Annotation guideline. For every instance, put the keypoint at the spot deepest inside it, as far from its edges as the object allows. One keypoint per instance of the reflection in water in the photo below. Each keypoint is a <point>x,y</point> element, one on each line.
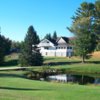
<point>97,81</point>
<point>81,79</point>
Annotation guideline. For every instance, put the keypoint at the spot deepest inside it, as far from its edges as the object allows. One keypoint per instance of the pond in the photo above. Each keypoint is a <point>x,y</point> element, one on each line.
<point>81,79</point>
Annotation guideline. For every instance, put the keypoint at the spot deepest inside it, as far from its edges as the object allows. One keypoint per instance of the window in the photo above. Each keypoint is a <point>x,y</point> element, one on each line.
<point>64,47</point>
<point>46,48</point>
<point>67,47</point>
<point>61,47</point>
<point>47,41</point>
<point>70,47</point>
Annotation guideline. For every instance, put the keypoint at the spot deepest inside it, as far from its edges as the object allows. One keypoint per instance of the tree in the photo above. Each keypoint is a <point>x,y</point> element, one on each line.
<point>36,57</point>
<point>5,45</point>
<point>1,50</point>
<point>97,19</point>
<point>48,36</point>
<point>15,46</point>
<point>54,37</point>
<point>96,26</point>
<point>82,27</point>
<point>27,56</point>
<point>98,47</point>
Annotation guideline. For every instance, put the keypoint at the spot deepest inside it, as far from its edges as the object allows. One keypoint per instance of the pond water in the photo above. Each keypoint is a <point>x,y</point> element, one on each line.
<point>81,79</point>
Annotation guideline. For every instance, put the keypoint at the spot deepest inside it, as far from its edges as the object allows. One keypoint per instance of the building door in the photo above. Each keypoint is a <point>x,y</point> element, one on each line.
<point>69,54</point>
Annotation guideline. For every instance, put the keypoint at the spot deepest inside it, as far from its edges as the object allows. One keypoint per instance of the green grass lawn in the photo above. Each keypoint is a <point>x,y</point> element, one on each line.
<point>18,88</point>
<point>80,68</point>
<point>70,65</point>
<point>74,64</point>
<point>13,85</point>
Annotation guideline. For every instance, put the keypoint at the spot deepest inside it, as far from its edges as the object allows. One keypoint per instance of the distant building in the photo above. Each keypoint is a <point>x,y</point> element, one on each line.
<point>59,48</point>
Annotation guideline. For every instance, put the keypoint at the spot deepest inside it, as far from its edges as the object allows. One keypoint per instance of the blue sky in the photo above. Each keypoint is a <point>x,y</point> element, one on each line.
<point>46,16</point>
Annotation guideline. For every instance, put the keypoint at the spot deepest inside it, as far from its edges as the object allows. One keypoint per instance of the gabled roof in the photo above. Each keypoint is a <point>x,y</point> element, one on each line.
<point>46,43</point>
<point>66,39</point>
<point>55,42</point>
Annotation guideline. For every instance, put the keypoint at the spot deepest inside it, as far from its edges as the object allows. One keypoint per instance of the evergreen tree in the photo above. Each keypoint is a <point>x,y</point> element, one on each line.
<point>1,50</point>
<point>5,45</point>
<point>27,56</point>
<point>97,19</point>
<point>15,46</point>
<point>48,36</point>
<point>82,28</point>
<point>96,26</point>
<point>54,37</point>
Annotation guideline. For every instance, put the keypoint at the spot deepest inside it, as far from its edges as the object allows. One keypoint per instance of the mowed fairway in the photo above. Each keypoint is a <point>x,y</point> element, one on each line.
<point>14,87</point>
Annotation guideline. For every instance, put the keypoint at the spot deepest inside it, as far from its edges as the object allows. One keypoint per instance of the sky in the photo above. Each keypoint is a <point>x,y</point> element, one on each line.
<point>46,16</point>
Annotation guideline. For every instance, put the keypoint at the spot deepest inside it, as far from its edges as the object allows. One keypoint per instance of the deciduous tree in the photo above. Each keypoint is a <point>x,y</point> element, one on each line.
<point>82,27</point>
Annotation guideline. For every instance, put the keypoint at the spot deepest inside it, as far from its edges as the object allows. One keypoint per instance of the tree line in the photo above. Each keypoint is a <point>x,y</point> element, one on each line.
<point>51,37</point>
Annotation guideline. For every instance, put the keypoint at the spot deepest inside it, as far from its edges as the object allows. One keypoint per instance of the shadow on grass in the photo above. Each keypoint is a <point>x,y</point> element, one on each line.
<point>62,63</point>
<point>11,75</point>
<point>94,62</point>
<point>11,63</point>
<point>24,89</point>
<point>69,63</point>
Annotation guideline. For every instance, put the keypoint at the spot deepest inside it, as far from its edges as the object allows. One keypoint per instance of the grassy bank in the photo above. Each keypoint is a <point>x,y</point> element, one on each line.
<point>18,88</point>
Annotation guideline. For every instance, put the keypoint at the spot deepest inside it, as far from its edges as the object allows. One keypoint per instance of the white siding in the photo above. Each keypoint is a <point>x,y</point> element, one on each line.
<point>47,48</point>
<point>52,51</point>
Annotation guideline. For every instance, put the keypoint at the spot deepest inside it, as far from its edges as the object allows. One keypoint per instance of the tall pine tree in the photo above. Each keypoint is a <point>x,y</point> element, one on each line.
<point>48,36</point>
<point>27,56</point>
<point>96,26</point>
<point>54,37</point>
<point>1,50</point>
<point>82,28</point>
<point>5,45</point>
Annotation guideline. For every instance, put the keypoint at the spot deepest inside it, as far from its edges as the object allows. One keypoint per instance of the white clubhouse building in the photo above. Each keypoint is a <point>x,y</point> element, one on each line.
<point>59,48</point>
